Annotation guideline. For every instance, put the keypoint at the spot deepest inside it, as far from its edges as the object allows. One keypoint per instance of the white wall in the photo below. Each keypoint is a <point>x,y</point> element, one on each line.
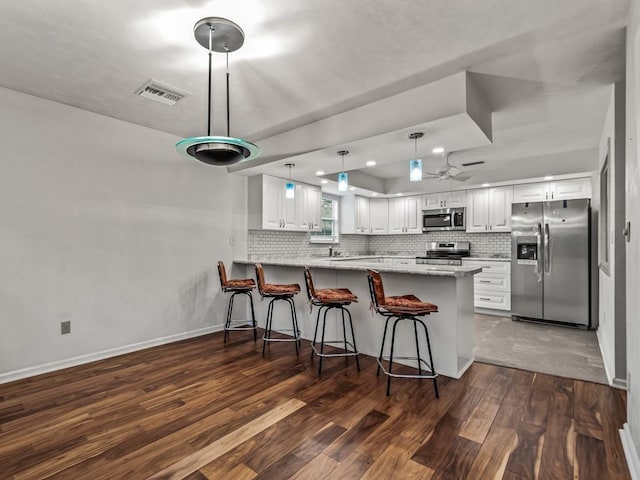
<point>606,314</point>
<point>632,428</point>
<point>611,282</point>
<point>105,225</point>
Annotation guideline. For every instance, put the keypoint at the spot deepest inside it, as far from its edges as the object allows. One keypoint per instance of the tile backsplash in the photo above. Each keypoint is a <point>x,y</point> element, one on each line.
<point>263,243</point>
<point>483,244</point>
<point>268,243</point>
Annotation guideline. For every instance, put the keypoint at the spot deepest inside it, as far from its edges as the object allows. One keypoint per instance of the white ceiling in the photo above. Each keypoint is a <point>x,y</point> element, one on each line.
<point>542,68</point>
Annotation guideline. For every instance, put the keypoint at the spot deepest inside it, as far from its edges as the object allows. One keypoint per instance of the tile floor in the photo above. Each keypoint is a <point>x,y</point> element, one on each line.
<point>561,351</point>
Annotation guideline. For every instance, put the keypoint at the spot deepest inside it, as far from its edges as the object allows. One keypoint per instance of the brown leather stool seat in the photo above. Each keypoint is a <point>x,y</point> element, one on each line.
<point>328,299</point>
<point>398,308</point>
<point>242,286</point>
<point>283,292</point>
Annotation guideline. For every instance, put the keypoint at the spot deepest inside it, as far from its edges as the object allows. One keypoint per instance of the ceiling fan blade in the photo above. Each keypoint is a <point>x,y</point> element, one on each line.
<point>460,178</point>
<point>453,171</point>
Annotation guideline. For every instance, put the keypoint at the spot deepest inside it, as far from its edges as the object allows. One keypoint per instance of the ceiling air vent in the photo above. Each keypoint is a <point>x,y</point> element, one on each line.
<point>470,164</point>
<point>161,92</point>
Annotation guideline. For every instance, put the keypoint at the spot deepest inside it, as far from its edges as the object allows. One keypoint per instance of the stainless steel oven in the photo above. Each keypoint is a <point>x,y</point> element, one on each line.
<point>444,219</point>
<point>445,253</point>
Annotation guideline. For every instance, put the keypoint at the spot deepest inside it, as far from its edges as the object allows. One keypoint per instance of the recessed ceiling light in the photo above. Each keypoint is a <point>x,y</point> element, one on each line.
<point>374,194</point>
<point>398,194</point>
<point>324,181</point>
<point>352,188</point>
<point>371,163</point>
<point>549,177</point>
<point>319,173</point>
<point>486,184</point>
<point>438,150</point>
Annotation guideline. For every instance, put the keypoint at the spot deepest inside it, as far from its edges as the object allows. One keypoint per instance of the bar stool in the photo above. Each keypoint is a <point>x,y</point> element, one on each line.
<point>405,307</point>
<point>327,299</point>
<point>242,286</point>
<point>275,293</point>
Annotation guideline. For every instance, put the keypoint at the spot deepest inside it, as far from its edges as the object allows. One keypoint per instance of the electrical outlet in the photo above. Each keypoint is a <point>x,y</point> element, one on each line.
<point>65,327</point>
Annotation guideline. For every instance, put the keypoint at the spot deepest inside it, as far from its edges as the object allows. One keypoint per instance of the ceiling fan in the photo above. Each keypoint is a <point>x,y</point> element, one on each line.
<point>448,172</point>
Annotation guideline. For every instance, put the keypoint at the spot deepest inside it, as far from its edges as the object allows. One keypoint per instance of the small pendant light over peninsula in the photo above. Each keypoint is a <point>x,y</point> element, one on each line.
<point>218,35</point>
<point>290,187</point>
<point>415,165</point>
<point>343,177</point>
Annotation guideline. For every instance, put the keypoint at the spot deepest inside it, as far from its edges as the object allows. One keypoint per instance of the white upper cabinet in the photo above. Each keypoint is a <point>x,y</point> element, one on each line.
<point>557,190</point>
<point>396,215</point>
<point>570,189</point>
<point>308,205</point>
<point>354,214</point>
<point>362,215</point>
<point>457,199</point>
<point>405,215</point>
<point>432,201</point>
<point>269,208</point>
<point>489,209</point>
<point>436,201</point>
<point>500,200</point>
<point>379,216</point>
<point>413,215</point>
<point>477,210</point>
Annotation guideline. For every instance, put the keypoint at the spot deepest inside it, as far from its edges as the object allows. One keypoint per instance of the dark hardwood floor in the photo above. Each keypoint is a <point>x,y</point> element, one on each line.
<point>199,409</point>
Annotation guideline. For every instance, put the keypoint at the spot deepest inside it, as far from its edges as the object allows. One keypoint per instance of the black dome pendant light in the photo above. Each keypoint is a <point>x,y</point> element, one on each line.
<point>218,35</point>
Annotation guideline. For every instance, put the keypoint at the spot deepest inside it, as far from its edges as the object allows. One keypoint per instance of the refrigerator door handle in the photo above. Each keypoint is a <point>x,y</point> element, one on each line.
<point>547,260</point>
<point>539,251</point>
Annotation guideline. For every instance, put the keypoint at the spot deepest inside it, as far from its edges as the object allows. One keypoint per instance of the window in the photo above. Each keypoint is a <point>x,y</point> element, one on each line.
<point>328,222</point>
<point>604,212</point>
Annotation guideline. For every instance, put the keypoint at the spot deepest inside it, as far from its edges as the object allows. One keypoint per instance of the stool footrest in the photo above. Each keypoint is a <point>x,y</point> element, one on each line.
<point>347,353</point>
<point>295,338</point>
<point>400,375</point>
<point>241,325</point>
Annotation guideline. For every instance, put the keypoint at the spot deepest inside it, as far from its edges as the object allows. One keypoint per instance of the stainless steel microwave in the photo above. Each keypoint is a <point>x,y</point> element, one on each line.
<point>444,219</point>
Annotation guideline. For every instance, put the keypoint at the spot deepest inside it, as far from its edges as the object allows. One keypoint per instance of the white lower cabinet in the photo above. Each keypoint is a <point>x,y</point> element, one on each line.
<point>492,286</point>
<point>404,261</point>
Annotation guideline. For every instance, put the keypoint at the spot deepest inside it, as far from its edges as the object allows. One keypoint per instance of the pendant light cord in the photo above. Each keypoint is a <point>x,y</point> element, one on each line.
<point>228,107</point>
<point>210,82</point>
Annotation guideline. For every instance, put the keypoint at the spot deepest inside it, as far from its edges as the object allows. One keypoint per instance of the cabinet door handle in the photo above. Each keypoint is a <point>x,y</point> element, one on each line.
<point>485,299</point>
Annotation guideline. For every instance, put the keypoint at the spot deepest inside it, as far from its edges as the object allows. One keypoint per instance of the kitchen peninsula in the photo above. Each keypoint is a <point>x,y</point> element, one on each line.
<point>449,287</point>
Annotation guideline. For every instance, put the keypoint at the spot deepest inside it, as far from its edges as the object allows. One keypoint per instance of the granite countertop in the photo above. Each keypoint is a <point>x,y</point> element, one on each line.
<point>360,263</point>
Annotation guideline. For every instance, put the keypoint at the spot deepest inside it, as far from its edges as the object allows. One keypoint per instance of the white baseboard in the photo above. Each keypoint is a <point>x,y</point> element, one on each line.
<point>619,383</point>
<point>608,373</point>
<point>633,462</point>
<point>112,352</point>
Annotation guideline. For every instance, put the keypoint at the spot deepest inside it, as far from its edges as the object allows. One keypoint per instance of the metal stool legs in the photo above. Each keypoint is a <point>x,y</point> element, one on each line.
<point>353,352</point>
<point>267,337</point>
<point>250,324</point>
<point>433,375</point>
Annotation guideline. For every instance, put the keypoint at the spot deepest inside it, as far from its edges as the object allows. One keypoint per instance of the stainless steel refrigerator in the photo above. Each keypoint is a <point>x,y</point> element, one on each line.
<point>550,262</point>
